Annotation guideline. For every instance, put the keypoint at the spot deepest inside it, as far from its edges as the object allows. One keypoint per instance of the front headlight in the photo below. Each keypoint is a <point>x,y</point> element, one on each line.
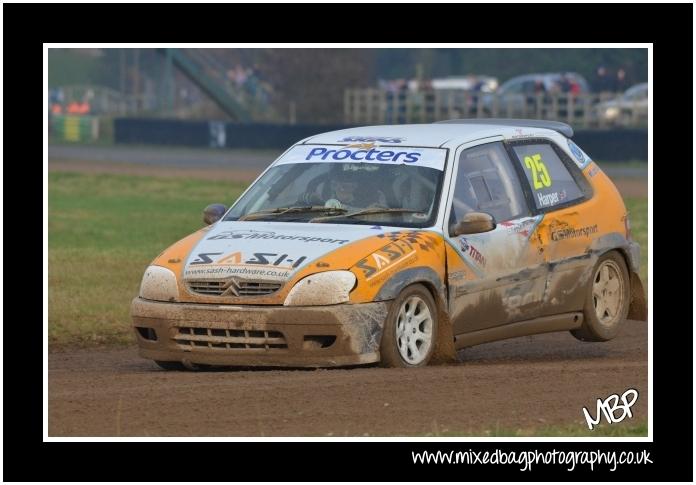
<point>158,284</point>
<point>327,288</point>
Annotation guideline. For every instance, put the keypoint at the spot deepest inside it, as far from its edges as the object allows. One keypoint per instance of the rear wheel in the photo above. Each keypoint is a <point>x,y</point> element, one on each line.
<point>410,329</point>
<point>607,301</point>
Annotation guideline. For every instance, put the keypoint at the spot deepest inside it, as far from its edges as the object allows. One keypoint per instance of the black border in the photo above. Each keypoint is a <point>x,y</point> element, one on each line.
<point>26,457</point>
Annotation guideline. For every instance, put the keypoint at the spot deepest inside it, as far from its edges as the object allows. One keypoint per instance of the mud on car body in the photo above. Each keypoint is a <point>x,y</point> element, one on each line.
<point>398,245</point>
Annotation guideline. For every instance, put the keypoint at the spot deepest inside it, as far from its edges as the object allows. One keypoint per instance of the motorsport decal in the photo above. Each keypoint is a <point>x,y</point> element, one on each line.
<point>540,175</point>
<point>473,253</point>
<point>372,139</point>
<point>552,198</point>
<point>396,255</point>
<point>520,133</point>
<point>424,240</point>
<point>251,234</point>
<point>258,258</point>
<point>257,265</point>
<point>399,253</point>
<point>562,230</point>
<point>265,251</point>
<point>581,158</point>
<point>418,157</point>
<point>524,227</point>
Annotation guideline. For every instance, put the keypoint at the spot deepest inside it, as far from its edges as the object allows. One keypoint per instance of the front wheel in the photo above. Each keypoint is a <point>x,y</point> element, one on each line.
<point>607,301</point>
<point>410,329</point>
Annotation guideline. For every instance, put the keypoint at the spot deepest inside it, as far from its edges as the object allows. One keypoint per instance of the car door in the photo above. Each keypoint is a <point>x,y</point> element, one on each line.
<point>494,277</point>
<point>558,189</point>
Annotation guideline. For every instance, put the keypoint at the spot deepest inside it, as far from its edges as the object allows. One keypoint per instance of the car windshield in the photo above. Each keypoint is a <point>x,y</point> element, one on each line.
<point>397,187</point>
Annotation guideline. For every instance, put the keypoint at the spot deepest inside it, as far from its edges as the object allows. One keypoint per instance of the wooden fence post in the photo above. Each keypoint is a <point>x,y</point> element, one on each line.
<point>346,106</point>
<point>368,105</point>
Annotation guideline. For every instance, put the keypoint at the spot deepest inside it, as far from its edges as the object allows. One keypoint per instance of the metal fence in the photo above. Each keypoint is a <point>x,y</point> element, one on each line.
<point>377,106</point>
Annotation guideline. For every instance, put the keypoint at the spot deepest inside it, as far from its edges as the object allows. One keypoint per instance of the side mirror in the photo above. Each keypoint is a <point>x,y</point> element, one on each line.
<point>213,213</point>
<point>473,223</point>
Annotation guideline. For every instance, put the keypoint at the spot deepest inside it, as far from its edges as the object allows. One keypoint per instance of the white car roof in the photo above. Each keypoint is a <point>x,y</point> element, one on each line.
<point>447,134</point>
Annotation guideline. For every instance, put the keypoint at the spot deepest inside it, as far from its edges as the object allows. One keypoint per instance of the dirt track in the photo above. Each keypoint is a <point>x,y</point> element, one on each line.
<point>520,383</point>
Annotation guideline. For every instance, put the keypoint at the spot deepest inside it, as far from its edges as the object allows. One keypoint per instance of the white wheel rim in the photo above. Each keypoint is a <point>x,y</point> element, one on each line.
<point>608,292</point>
<point>414,330</point>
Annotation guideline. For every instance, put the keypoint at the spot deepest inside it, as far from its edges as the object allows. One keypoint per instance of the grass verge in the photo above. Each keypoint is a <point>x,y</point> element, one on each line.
<point>624,429</point>
<point>103,230</point>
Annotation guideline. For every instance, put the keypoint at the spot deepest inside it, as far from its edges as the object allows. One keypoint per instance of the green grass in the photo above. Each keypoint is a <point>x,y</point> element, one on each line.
<point>624,429</point>
<point>103,231</point>
<point>638,215</point>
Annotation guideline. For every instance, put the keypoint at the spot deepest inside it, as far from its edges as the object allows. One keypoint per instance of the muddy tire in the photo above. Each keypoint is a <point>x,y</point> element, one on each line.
<point>607,301</point>
<point>170,365</point>
<point>410,329</point>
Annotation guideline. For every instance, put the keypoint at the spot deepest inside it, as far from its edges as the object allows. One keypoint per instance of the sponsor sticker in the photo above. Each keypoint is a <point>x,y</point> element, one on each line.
<point>372,139</point>
<point>418,157</point>
<point>564,231</point>
<point>474,254</point>
<point>397,254</point>
<point>217,265</point>
<point>236,258</point>
<point>252,234</point>
<point>523,227</point>
<point>580,157</point>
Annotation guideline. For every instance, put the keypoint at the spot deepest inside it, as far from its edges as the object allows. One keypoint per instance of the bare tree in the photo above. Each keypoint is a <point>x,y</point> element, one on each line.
<point>315,79</point>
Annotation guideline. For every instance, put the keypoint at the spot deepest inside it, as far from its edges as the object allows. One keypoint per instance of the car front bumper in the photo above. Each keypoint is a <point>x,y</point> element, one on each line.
<point>255,335</point>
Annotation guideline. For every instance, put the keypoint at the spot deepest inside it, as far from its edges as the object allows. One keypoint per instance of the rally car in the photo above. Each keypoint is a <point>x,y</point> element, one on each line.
<point>398,245</point>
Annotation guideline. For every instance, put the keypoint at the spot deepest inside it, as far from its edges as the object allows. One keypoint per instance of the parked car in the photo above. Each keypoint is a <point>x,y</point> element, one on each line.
<point>563,82</point>
<point>630,108</point>
<point>399,245</point>
<point>518,96</point>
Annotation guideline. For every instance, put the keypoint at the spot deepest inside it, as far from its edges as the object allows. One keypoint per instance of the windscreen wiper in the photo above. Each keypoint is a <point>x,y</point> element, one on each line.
<point>279,211</point>
<point>374,210</point>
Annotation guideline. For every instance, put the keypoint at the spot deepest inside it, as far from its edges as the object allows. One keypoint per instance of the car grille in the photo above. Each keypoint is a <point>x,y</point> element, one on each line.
<point>232,287</point>
<point>220,338</point>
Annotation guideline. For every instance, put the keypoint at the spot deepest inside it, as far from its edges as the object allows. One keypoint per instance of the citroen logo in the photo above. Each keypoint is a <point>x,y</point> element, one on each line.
<point>230,288</point>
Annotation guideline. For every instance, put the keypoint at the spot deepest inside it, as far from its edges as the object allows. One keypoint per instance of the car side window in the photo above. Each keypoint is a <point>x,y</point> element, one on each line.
<point>487,182</point>
<point>551,182</point>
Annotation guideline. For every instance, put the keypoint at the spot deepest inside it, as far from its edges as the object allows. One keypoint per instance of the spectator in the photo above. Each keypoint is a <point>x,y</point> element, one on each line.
<point>78,108</point>
<point>73,108</point>
<point>564,83</point>
<point>601,84</point>
<point>621,80</point>
<point>539,87</point>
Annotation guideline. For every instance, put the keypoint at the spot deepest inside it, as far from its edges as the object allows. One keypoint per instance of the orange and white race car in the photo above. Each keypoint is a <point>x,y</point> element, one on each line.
<point>398,245</point>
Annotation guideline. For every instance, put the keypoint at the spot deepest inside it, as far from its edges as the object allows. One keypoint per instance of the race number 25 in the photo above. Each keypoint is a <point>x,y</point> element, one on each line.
<point>540,176</point>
